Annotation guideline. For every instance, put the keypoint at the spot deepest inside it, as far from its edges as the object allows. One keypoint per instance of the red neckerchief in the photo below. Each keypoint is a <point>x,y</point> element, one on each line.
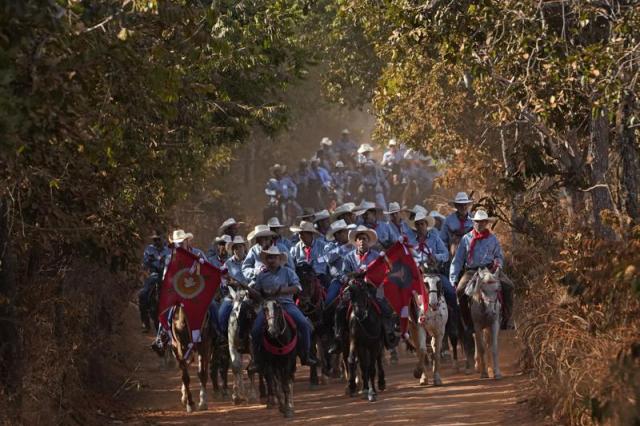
<point>362,257</point>
<point>476,237</point>
<point>307,253</point>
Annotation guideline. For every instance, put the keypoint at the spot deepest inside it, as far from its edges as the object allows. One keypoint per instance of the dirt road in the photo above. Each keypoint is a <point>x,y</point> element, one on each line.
<point>463,400</point>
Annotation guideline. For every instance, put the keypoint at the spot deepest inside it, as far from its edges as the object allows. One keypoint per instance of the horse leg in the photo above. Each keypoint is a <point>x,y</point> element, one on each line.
<point>252,393</point>
<point>454,349</point>
<point>313,371</point>
<point>262,390</point>
<point>364,357</point>
<point>237,394</point>
<point>421,351</point>
<point>382,384</point>
<point>352,370</point>
<point>495,330</point>
<point>203,364</point>
<point>481,363</point>
<point>437,355</point>
<point>287,385</point>
<point>214,365</point>
<point>186,393</point>
<point>468,347</point>
<point>373,395</point>
<point>271,402</point>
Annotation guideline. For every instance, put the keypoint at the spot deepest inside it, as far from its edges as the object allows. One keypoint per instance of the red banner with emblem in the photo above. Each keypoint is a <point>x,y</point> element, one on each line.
<point>400,275</point>
<point>190,284</point>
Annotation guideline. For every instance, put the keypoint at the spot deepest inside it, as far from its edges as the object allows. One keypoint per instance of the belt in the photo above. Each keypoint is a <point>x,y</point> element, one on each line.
<point>488,265</point>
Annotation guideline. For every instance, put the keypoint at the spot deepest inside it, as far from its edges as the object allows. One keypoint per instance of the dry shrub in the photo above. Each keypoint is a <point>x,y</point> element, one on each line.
<point>581,329</point>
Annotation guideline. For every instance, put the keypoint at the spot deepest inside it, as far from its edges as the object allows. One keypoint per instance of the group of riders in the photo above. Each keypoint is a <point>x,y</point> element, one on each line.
<point>338,241</point>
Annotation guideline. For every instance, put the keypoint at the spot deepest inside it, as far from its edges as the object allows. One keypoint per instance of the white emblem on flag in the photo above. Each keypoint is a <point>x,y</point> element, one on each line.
<point>187,284</point>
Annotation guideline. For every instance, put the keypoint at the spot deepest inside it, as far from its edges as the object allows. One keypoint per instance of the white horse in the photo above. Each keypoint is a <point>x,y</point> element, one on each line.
<point>429,320</point>
<point>240,344</point>
<point>483,291</point>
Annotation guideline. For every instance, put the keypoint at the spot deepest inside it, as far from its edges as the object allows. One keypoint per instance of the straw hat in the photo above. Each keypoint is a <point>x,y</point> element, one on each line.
<point>336,226</point>
<point>273,250</point>
<point>393,142</point>
<point>322,214</point>
<point>417,208</point>
<point>365,147</point>
<point>227,223</point>
<point>431,222</point>
<point>481,215</point>
<point>339,165</point>
<point>179,236</point>
<point>274,222</point>
<point>277,167</point>
<point>223,239</point>
<point>326,141</point>
<point>365,206</point>
<point>461,198</point>
<point>236,240</point>
<point>393,208</point>
<point>373,237</point>
<point>304,227</point>
<point>345,131</point>
<point>260,231</point>
<point>342,209</point>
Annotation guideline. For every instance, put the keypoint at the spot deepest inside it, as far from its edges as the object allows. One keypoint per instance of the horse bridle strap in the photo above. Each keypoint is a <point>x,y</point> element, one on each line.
<point>286,349</point>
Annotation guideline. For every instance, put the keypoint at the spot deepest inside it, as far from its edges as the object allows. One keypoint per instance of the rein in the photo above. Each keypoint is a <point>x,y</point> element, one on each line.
<point>287,348</point>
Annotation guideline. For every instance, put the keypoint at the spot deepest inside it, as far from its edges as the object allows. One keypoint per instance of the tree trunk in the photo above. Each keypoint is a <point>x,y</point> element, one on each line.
<point>599,156</point>
<point>630,173</point>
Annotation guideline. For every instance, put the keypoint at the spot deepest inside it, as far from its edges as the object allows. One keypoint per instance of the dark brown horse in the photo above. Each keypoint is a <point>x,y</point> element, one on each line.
<point>184,349</point>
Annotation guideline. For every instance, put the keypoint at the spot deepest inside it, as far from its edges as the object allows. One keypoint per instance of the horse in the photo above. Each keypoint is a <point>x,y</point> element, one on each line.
<point>484,292</point>
<point>455,331</point>
<point>428,320</point>
<point>240,323</point>
<point>183,349</point>
<point>311,303</point>
<point>219,365</point>
<point>366,335</point>
<point>279,355</point>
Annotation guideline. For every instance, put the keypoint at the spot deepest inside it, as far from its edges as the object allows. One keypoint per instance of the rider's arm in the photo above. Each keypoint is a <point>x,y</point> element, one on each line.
<point>498,255</point>
<point>293,284</point>
<point>458,262</point>
<point>444,232</point>
<point>248,266</point>
<point>441,253</point>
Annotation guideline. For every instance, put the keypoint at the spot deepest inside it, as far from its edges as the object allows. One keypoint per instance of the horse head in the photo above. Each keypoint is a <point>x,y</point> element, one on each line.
<point>308,279</point>
<point>487,291</point>
<point>274,316</point>
<point>359,296</point>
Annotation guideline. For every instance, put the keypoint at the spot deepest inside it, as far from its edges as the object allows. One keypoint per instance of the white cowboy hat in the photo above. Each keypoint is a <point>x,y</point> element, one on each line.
<point>410,154</point>
<point>322,214</point>
<point>365,147</point>
<point>274,222</point>
<point>393,208</point>
<point>304,227</point>
<point>339,165</point>
<point>223,239</point>
<point>227,223</point>
<point>236,240</point>
<point>461,198</point>
<point>326,141</point>
<point>307,214</point>
<point>338,225</point>
<point>431,222</point>
<point>437,215</point>
<point>417,208</point>
<point>373,237</point>
<point>260,231</point>
<point>481,215</point>
<point>273,250</point>
<point>342,209</point>
<point>365,206</point>
<point>179,236</point>
<point>345,131</point>
<point>277,167</point>
<point>393,142</point>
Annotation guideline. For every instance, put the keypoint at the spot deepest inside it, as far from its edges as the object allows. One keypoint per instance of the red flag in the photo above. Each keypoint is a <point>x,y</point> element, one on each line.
<point>191,284</point>
<point>377,271</point>
<point>402,278</point>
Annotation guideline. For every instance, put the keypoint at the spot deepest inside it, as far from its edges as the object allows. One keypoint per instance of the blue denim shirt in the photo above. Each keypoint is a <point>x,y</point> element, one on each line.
<point>335,254</point>
<point>252,265</point>
<point>352,262</point>
<point>395,233</point>
<point>433,246</point>
<point>484,253</point>
<point>234,269</point>
<point>384,233</point>
<point>451,226</point>
<point>318,261</point>
<point>154,259</point>
<point>283,277</point>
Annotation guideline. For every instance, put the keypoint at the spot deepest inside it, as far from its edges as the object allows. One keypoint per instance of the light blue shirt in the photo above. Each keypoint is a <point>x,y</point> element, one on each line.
<point>234,269</point>
<point>322,174</point>
<point>431,246</point>
<point>318,262</point>
<point>383,232</point>
<point>335,253</point>
<point>252,264</point>
<point>154,258</point>
<point>270,282</point>
<point>353,263</point>
<point>395,233</point>
<point>451,228</point>
<point>484,253</point>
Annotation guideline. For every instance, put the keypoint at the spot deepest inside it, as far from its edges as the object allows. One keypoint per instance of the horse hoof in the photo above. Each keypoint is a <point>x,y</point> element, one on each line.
<point>424,382</point>
<point>288,414</point>
<point>417,372</point>
<point>382,386</point>
<point>189,408</point>
<point>497,376</point>
<point>202,406</point>
<point>484,375</point>
<point>373,398</point>
<point>437,382</point>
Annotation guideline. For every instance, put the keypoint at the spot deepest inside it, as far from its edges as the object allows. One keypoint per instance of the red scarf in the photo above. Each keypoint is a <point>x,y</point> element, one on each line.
<point>307,253</point>
<point>476,236</point>
<point>362,257</point>
<point>422,244</point>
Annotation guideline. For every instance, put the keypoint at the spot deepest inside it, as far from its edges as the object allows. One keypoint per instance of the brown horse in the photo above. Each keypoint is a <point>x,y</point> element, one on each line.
<point>184,349</point>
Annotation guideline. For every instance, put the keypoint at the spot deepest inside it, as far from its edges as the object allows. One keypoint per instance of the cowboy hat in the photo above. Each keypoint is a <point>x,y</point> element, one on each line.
<point>431,222</point>
<point>260,231</point>
<point>338,225</point>
<point>307,214</point>
<point>326,141</point>
<point>179,236</point>
<point>274,222</point>
<point>343,209</point>
<point>365,206</point>
<point>271,251</point>
<point>410,154</point>
<point>437,215</point>
<point>415,209</point>
<point>304,227</point>
<point>236,240</point>
<point>345,131</point>
<point>365,147</point>
<point>373,237</point>
<point>277,166</point>
<point>461,198</point>
<point>339,165</point>
<point>227,223</point>
<point>481,215</point>
<point>322,214</point>
<point>223,239</point>
<point>393,142</point>
<point>393,208</point>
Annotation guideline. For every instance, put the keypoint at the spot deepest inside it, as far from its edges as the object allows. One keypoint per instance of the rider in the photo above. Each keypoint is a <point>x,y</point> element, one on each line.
<point>398,228</point>
<point>238,251</point>
<point>478,249</point>
<point>458,223</point>
<point>275,279</point>
<point>219,255</point>
<point>440,218</point>
<point>336,249</point>
<point>327,155</point>
<point>430,250</point>
<point>344,147</point>
<point>153,263</point>
<point>345,212</point>
<point>393,156</point>
<point>279,240</point>
<point>369,214</point>
<point>322,221</point>
<point>357,261</point>
<point>229,227</point>
<point>310,249</point>
<point>263,237</point>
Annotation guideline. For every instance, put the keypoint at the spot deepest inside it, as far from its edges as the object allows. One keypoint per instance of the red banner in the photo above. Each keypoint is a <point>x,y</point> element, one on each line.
<point>190,284</point>
<point>400,275</point>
